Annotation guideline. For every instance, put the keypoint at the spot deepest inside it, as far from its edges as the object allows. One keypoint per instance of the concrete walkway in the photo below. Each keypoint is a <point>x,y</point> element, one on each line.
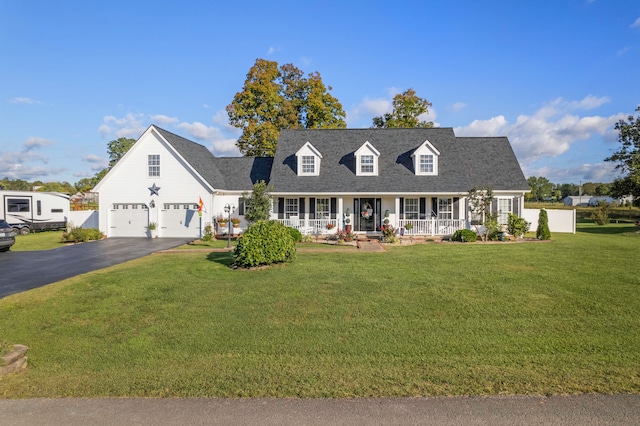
<point>581,410</point>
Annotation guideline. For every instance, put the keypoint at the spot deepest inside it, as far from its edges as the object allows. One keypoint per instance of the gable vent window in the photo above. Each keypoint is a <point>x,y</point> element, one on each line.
<point>308,164</point>
<point>154,165</point>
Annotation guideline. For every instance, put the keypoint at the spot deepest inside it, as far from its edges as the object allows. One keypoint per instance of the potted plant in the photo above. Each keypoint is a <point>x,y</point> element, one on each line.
<point>152,229</point>
<point>408,226</point>
<point>235,221</point>
<point>222,221</point>
<point>330,226</point>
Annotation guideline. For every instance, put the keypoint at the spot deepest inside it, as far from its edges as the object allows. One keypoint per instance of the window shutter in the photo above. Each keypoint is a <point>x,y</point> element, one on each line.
<point>516,206</point>
<point>301,207</point>
<point>334,202</point>
<point>423,208</point>
<point>241,206</point>
<point>312,208</point>
<point>494,206</point>
<point>280,208</point>
<point>456,208</point>
<point>434,207</point>
<point>401,208</point>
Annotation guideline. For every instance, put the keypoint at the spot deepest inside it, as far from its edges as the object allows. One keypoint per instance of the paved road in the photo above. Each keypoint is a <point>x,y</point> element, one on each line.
<point>495,411</point>
<point>25,270</point>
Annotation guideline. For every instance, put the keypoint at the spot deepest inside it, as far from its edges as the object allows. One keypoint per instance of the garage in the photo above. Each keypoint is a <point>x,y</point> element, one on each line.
<point>179,220</point>
<point>129,220</point>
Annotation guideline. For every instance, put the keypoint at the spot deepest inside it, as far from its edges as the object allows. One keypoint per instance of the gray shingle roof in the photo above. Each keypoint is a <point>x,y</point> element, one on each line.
<point>226,173</point>
<point>462,164</point>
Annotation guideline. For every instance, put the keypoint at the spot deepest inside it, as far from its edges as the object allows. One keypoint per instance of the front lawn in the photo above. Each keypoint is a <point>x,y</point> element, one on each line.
<point>426,319</point>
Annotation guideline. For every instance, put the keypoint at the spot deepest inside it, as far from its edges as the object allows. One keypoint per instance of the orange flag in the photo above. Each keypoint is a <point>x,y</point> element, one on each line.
<point>200,204</point>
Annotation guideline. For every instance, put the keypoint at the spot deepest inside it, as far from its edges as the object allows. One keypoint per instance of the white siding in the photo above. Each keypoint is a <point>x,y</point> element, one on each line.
<point>128,182</point>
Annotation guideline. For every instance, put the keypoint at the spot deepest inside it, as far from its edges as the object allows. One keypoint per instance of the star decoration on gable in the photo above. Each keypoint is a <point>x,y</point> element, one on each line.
<point>154,189</point>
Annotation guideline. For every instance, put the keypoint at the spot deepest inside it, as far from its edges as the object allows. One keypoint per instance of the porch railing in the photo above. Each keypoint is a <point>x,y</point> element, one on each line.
<point>432,226</point>
<point>418,226</point>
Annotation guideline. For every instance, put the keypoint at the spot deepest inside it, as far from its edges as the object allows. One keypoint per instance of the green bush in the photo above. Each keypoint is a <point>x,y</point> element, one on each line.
<point>517,226</point>
<point>81,235</point>
<point>264,243</point>
<point>465,236</point>
<point>601,215</point>
<point>295,234</point>
<point>543,233</point>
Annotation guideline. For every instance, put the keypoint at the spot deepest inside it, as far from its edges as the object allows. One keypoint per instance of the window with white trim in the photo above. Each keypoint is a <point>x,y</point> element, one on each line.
<point>411,208</point>
<point>308,164</point>
<point>154,165</point>
<point>366,164</point>
<point>323,208</point>
<point>290,207</point>
<point>445,208</point>
<point>426,163</point>
<point>504,208</point>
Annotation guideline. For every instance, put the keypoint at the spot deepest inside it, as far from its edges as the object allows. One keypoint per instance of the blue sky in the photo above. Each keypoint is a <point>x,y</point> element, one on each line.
<point>552,75</point>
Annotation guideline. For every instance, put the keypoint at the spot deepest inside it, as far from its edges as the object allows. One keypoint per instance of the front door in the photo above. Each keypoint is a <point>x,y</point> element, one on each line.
<point>367,214</point>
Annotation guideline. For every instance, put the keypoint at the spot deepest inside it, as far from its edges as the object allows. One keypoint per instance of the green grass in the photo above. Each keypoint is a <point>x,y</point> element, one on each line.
<point>45,240</point>
<point>557,317</point>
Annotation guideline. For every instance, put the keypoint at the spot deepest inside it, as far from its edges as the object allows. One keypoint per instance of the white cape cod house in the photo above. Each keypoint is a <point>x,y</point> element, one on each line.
<point>323,180</point>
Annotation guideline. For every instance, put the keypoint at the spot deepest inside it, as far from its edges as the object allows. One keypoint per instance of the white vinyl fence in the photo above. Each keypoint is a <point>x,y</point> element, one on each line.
<point>83,219</point>
<point>559,220</point>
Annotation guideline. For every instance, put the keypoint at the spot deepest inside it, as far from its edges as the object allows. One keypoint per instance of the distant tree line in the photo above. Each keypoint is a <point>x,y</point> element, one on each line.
<point>544,190</point>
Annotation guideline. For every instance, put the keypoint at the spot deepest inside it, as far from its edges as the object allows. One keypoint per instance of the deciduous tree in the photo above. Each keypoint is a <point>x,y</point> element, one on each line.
<point>407,109</point>
<point>118,148</point>
<point>627,158</point>
<point>275,98</point>
<point>540,188</point>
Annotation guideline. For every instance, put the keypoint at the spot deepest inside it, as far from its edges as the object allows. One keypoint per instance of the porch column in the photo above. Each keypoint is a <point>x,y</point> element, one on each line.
<point>340,214</point>
<point>397,212</point>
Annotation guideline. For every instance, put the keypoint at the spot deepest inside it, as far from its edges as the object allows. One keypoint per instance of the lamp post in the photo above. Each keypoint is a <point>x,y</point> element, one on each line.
<point>228,209</point>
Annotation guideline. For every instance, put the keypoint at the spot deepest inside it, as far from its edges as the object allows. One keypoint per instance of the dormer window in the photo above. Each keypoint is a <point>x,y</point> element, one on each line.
<point>308,160</point>
<point>425,160</point>
<point>367,160</point>
<point>308,165</point>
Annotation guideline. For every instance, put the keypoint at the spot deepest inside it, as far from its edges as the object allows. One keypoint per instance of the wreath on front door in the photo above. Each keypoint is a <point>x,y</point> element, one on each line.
<point>367,211</point>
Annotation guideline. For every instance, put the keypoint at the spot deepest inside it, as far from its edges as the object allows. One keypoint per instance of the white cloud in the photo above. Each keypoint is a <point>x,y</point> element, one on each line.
<point>457,106</point>
<point>97,163</point>
<point>129,126</point>
<point>19,164</point>
<point>599,172</point>
<point>219,142</point>
<point>24,100</point>
<point>163,120</point>
<point>550,131</point>
<point>636,23</point>
<point>35,143</point>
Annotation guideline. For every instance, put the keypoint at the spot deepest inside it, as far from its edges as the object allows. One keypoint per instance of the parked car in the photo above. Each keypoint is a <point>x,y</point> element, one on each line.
<point>7,235</point>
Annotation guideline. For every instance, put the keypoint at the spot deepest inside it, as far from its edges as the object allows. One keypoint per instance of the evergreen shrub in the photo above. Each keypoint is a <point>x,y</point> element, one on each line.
<point>264,243</point>
<point>465,236</point>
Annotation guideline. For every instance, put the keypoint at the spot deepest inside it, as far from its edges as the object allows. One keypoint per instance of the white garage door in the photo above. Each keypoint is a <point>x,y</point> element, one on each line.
<point>128,220</point>
<point>179,220</point>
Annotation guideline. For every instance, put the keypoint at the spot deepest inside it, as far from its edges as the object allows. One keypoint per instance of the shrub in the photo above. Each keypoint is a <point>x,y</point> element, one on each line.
<point>295,234</point>
<point>517,226</point>
<point>543,233</point>
<point>465,236</point>
<point>601,215</point>
<point>81,235</point>
<point>343,235</point>
<point>264,243</point>
<point>208,233</point>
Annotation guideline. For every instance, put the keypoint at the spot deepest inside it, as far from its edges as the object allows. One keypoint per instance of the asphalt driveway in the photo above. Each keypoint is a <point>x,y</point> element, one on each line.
<point>25,270</point>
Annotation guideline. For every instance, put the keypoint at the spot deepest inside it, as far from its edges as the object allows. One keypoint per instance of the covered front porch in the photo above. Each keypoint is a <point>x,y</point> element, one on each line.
<point>409,215</point>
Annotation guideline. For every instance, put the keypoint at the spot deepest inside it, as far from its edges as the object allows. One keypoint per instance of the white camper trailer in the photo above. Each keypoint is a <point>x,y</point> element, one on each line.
<point>34,211</point>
